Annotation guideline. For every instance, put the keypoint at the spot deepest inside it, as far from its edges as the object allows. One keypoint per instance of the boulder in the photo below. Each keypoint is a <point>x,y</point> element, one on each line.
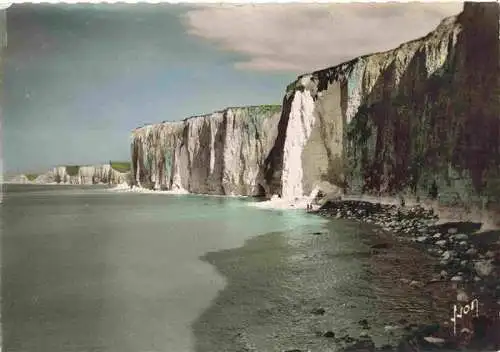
<point>484,267</point>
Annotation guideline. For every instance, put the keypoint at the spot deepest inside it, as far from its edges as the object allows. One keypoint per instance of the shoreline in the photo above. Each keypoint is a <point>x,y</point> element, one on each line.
<point>325,291</point>
<point>467,253</point>
<point>125,188</point>
<point>462,267</point>
<point>464,256</point>
<point>445,213</point>
<point>275,203</point>
<point>458,263</point>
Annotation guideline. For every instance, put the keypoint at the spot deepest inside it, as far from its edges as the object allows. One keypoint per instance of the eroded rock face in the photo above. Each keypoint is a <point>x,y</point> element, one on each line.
<point>83,175</point>
<point>218,153</point>
<point>422,118</point>
<point>424,114</point>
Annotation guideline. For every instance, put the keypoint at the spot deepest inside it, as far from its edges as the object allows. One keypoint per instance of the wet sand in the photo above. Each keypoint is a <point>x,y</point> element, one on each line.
<point>302,290</point>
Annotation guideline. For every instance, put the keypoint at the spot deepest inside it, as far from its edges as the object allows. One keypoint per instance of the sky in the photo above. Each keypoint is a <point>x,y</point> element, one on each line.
<point>79,78</point>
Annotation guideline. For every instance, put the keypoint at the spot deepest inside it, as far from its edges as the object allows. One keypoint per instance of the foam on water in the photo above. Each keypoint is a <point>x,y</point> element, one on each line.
<point>123,187</point>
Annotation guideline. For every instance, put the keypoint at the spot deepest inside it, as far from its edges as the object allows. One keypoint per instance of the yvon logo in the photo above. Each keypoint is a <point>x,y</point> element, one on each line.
<point>460,312</point>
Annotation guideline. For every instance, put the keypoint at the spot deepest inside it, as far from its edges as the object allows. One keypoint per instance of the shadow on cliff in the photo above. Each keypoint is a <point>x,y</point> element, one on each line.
<point>269,176</point>
<point>426,129</point>
<point>138,170</point>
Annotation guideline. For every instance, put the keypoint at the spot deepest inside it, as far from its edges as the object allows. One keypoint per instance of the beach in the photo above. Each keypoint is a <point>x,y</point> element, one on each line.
<point>419,268</point>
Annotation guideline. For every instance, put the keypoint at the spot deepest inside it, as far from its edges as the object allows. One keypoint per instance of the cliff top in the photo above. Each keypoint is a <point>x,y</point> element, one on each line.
<point>341,70</point>
<point>265,109</point>
<point>112,163</point>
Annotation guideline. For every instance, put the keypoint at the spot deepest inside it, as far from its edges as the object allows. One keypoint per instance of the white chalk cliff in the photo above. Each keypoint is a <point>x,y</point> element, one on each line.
<point>77,175</point>
<point>218,153</point>
<point>84,175</point>
<point>398,121</point>
<point>421,115</point>
<point>20,179</point>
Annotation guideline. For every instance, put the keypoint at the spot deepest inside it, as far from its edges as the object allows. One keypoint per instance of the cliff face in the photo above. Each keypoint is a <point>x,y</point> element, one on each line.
<point>218,153</point>
<point>423,115</point>
<point>20,179</point>
<point>83,175</point>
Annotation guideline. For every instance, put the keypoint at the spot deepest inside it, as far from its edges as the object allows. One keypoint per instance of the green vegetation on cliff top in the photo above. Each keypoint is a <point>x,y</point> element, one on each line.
<point>121,166</point>
<point>265,109</point>
<point>31,177</point>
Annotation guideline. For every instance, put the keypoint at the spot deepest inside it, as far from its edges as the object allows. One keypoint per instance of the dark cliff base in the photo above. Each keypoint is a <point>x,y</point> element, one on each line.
<point>355,286</point>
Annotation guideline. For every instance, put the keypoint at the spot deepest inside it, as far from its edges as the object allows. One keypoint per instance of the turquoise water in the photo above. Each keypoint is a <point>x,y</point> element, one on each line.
<point>85,269</point>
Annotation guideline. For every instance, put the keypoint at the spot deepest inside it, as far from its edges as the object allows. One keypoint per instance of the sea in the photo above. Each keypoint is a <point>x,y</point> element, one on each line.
<point>87,269</point>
